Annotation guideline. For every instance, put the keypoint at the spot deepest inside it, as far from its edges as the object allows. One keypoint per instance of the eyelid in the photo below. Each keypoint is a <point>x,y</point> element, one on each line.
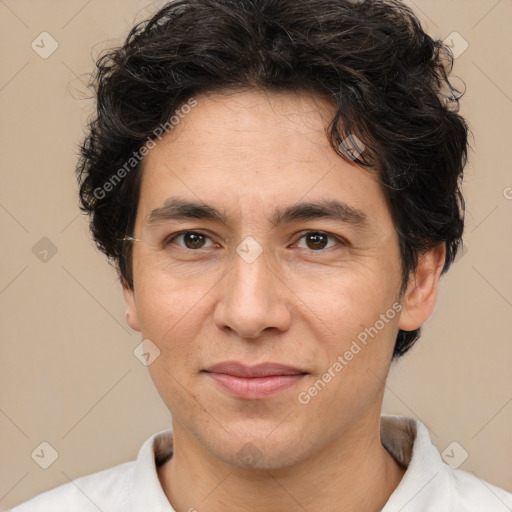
<point>339,239</point>
<point>170,239</point>
<point>299,236</point>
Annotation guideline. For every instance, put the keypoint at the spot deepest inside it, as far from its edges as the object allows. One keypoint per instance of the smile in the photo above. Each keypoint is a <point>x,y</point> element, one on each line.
<point>254,382</point>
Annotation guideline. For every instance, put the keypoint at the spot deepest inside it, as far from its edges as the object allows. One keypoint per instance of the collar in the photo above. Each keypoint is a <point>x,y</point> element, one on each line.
<point>145,491</point>
<point>428,483</point>
<point>408,442</point>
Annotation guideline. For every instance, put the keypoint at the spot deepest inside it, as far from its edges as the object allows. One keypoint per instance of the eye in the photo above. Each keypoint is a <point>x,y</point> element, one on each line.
<point>318,240</point>
<point>191,240</point>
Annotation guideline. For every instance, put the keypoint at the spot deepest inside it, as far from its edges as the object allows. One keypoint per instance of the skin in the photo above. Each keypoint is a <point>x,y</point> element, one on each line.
<point>247,153</point>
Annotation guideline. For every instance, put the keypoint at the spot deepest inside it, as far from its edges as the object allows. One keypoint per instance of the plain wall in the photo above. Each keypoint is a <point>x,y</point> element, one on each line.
<point>68,375</point>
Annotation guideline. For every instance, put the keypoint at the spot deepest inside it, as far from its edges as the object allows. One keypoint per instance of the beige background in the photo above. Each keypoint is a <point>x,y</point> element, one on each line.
<point>68,375</point>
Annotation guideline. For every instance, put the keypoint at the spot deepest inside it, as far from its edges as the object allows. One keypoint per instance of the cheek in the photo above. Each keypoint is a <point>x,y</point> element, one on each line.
<point>350,298</point>
<point>357,308</point>
<point>359,351</point>
<point>170,310</point>
<point>171,315</point>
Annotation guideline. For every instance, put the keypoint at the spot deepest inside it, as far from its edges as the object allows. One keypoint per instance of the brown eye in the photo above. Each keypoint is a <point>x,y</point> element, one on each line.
<point>193,240</point>
<point>317,240</point>
<point>190,240</point>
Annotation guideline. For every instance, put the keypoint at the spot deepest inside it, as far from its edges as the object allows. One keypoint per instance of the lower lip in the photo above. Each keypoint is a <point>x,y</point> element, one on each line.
<point>254,388</point>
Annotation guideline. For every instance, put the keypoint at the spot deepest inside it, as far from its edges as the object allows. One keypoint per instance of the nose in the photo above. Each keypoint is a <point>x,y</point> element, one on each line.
<point>252,299</point>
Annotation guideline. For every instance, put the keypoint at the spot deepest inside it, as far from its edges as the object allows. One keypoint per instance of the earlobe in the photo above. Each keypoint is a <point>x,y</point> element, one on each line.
<point>132,318</point>
<point>420,297</point>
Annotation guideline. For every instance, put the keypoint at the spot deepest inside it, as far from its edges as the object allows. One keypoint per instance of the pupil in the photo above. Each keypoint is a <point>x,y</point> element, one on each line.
<point>194,240</point>
<point>316,241</point>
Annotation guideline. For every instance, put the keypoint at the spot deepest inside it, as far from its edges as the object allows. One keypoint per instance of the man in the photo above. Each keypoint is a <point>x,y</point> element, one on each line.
<point>277,182</point>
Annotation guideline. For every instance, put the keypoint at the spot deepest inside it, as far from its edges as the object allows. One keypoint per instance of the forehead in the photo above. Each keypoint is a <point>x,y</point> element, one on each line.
<point>253,152</point>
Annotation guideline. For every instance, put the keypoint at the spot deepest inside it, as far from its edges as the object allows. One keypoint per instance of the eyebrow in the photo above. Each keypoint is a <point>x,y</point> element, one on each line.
<point>178,209</point>
<point>328,209</point>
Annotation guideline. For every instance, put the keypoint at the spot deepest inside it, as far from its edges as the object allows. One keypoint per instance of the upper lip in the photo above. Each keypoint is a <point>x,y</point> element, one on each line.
<point>259,370</point>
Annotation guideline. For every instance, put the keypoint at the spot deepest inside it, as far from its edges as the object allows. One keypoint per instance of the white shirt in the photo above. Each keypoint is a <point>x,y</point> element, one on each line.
<point>428,485</point>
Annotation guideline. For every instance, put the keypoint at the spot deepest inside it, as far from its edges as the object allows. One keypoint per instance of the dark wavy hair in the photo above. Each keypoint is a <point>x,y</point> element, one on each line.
<point>385,77</point>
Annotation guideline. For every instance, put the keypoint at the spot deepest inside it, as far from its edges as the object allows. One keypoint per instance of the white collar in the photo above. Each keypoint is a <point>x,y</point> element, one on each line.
<point>427,485</point>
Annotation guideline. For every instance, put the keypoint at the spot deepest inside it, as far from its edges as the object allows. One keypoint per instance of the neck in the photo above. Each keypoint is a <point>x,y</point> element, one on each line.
<point>353,473</point>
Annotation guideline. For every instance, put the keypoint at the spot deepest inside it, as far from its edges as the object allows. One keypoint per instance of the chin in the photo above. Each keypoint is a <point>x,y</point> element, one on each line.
<point>261,448</point>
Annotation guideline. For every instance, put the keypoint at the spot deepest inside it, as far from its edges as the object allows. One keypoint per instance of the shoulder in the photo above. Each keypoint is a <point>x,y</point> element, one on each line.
<point>473,494</point>
<point>104,490</point>
<point>429,483</point>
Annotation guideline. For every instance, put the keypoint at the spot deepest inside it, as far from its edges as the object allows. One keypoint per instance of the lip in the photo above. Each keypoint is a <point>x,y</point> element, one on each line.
<point>254,382</point>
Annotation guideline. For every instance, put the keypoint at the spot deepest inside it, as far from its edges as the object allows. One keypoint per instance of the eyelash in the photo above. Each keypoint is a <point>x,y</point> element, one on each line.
<point>170,239</point>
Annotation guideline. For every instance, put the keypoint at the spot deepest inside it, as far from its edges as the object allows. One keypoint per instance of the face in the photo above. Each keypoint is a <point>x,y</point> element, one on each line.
<point>263,259</point>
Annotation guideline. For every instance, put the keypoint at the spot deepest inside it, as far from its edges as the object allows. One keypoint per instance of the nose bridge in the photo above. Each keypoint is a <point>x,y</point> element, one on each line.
<point>250,282</point>
<point>251,299</point>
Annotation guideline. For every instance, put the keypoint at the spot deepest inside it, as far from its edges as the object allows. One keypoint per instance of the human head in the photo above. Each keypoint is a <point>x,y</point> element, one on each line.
<point>386,79</point>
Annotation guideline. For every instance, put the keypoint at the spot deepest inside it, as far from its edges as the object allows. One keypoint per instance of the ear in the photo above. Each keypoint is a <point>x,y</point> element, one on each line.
<point>132,318</point>
<point>421,295</point>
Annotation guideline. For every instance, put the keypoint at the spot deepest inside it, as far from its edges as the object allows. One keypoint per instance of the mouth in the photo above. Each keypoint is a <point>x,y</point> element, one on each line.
<point>254,382</point>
